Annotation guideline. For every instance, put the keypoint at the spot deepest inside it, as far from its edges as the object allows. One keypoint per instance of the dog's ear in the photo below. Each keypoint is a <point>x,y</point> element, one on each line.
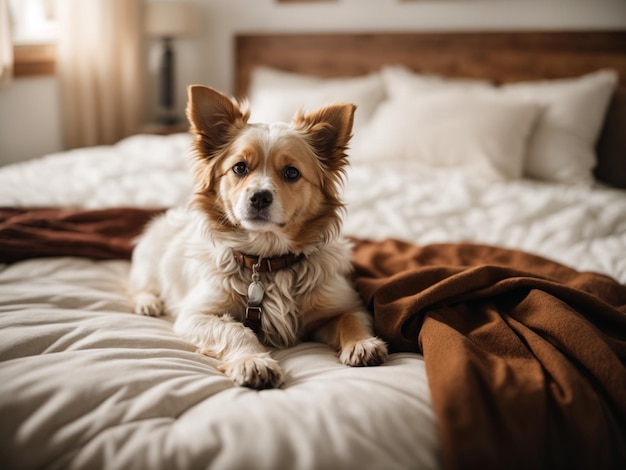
<point>214,117</point>
<point>329,130</point>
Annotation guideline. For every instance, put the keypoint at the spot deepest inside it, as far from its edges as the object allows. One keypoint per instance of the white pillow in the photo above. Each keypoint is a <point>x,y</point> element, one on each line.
<point>562,148</point>
<point>481,132</point>
<point>401,83</point>
<point>276,95</point>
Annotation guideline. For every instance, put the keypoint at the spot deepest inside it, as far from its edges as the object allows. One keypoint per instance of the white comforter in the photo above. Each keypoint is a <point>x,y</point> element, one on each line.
<point>86,384</point>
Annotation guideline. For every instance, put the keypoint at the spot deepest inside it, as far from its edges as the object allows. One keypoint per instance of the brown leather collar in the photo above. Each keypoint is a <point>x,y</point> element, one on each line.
<point>267,265</point>
<point>253,320</point>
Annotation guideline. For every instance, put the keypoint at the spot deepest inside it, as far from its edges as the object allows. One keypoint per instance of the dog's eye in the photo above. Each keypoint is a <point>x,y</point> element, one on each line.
<point>291,174</point>
<point>240,169</point>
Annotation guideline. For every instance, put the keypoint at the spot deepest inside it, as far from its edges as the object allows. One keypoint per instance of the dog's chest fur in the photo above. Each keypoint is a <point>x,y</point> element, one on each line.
<point>211,277</point>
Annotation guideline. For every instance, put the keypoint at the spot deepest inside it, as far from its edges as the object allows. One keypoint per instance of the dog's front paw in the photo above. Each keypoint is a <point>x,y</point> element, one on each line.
<point>259,371</point>
<point>148,304</point>
<point>367,352</point>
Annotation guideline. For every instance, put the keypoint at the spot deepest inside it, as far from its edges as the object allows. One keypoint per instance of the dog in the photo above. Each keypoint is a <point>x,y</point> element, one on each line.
<point>257,260</point>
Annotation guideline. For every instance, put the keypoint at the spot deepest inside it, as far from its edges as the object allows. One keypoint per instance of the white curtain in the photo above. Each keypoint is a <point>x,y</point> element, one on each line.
<point>6,45</point>
<point>99,66</point>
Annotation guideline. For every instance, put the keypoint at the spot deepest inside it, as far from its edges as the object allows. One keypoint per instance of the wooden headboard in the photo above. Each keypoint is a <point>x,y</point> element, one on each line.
<point>501,57</point>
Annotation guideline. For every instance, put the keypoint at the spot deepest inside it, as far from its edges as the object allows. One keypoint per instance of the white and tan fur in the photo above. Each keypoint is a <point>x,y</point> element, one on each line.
<point>263,190</point>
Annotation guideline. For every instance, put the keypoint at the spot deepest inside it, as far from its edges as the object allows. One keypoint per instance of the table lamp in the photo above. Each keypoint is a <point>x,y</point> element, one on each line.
<point>167,21</point>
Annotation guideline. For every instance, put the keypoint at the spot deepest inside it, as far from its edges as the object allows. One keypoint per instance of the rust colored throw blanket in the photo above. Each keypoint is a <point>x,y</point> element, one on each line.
<point>97,234</point>
<point>525,357</point>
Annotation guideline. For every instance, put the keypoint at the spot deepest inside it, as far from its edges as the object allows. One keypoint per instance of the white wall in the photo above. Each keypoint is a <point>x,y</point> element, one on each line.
<point>29,119</point>
<point>29,122</point>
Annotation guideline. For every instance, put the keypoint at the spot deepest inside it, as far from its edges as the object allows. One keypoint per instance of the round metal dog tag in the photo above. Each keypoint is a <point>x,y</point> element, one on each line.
<point>256,291</point>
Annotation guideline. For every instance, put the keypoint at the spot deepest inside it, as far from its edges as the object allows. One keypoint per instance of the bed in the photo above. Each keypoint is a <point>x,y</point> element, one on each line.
<point>486,201</point>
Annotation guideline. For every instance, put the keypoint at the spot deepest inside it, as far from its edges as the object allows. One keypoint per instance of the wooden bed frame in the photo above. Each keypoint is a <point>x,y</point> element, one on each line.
<point>499,56</point>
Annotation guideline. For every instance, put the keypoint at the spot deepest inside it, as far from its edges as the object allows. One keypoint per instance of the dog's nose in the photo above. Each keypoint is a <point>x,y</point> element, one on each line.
<point>261,199</point>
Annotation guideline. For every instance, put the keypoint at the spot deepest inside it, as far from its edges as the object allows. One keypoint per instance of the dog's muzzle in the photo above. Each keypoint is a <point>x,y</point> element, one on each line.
<point>260,200</point>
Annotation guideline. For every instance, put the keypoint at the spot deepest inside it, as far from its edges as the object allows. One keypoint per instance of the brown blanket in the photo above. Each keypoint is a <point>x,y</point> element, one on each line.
<point>525,357</point>
<point>97,234</point>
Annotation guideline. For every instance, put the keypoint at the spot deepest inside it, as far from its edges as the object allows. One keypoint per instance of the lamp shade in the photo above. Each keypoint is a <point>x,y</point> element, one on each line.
<point>170,19</point>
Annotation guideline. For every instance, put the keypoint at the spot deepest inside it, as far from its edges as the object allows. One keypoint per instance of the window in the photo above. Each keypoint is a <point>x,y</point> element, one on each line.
<point>34,21</point>
<point>35,31</point>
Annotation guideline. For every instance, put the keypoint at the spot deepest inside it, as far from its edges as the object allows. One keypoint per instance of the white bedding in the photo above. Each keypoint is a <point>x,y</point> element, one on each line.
<point>86,384</point>
<point>583,227</point>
